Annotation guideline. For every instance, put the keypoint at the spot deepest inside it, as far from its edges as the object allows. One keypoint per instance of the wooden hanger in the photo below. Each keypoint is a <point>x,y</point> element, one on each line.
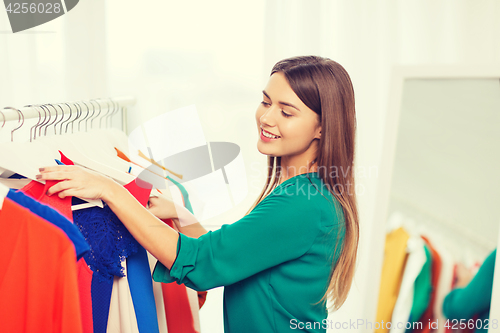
<point>141,154</point>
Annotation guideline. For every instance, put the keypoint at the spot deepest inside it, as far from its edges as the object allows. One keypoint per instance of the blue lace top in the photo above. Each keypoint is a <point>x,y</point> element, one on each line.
<point>110,242</point>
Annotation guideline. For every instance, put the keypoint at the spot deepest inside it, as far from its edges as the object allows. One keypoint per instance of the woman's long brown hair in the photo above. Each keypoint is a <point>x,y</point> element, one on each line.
<point>326,88</point>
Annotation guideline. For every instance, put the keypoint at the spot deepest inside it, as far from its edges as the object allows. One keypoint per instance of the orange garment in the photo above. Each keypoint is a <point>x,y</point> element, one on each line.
<point>395,256</point>
<point>429,315</point>
<point>38,283</point>
<point>38,192</point>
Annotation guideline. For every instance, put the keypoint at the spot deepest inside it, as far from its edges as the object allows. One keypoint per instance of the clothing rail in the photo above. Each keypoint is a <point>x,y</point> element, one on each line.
<point>101,105</point>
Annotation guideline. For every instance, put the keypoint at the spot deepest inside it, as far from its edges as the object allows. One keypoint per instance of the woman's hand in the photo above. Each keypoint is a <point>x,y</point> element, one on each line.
<point>464,276</point>
<point>162,208</point>
<point>184,221</point>
<point>76,181</point>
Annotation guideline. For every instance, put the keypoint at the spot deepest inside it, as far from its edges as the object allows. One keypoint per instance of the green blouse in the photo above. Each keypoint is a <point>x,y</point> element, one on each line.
<point>274,262</point>
<point>473,299</point>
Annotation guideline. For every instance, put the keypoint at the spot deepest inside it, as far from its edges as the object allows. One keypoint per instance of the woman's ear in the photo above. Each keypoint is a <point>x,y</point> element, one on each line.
<point>318,133</point>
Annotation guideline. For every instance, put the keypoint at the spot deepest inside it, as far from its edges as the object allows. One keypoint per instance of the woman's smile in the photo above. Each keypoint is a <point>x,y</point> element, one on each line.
<point>268,136</point>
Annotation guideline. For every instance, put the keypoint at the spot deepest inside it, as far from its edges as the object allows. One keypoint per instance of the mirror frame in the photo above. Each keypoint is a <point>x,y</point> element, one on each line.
<point>399,75</point>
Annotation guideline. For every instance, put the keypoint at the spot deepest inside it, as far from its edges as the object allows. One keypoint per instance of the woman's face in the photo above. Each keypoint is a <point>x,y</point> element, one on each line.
<point>289,124</point>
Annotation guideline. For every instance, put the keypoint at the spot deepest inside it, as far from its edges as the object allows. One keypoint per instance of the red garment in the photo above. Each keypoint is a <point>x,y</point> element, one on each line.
<point>85,274</point>
<point>38,283</point>
<point>140,190</point>
<point>38,192</point>
<point>65,160</point>
<point>429,316</point>
<point>177,308</point>
<point>202,297</point>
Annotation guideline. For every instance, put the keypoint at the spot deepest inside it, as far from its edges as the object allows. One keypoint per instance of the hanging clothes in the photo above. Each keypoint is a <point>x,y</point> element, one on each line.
<point>139,274</point>
<point>121,318</point>
<point>407,291</point>
<point>38,282</point>
<point>96,283</point>
<point>95,289</point>
<point>444,284</point>
<point>138,280</point>
<point>429,315</point>
<point>177,307</point>
<point>158,295</point>
<point>422,289</point>
<point>119,245</point>
<point>395,256</point>
<point>38,192</point>
<point>178,297</point>
<point>112,243</point>
<point>54,217</point>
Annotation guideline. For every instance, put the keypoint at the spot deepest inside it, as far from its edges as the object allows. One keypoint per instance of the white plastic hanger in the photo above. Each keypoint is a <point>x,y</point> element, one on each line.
<point>66,144</point>
<point>96,143</point>
<point>25,159</point>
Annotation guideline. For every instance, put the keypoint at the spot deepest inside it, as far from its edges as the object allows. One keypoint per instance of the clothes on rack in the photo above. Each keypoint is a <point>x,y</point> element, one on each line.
<point>112,272</point>
<point>408,294</point>
<point>181,303</point>
<point>139,274</point>
<point>38,191</point>
<point>418,273</point>
<point>395,256</point>
<point>49,214</point>
<point>422,288</point>
<point>177,308</point>
<point>138,278</point>
<point>38,275</point>
<point>110,244</point>
<point>98,299</point>
<point>428,315</point>
<point>121,317</point>
<point>42,207</point>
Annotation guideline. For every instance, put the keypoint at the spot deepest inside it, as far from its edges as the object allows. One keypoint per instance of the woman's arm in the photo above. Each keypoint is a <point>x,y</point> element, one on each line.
<point>155,236</point>
<point>475,297</point>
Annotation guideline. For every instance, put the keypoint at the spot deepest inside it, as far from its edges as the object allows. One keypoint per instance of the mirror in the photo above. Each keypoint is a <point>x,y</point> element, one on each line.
<point>440,199</point>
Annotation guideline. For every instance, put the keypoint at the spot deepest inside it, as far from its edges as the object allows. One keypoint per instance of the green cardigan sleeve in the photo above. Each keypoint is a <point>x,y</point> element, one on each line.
<point>280,228</point>
<point>475,298</point>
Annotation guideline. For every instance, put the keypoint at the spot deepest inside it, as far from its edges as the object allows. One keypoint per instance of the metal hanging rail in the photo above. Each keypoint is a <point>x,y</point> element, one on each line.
<point>104,105</point>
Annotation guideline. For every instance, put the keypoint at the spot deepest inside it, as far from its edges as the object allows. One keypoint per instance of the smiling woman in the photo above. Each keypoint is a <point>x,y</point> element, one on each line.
<point>297,245</point>
<point>288,127</point>
<point>305,97</point>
